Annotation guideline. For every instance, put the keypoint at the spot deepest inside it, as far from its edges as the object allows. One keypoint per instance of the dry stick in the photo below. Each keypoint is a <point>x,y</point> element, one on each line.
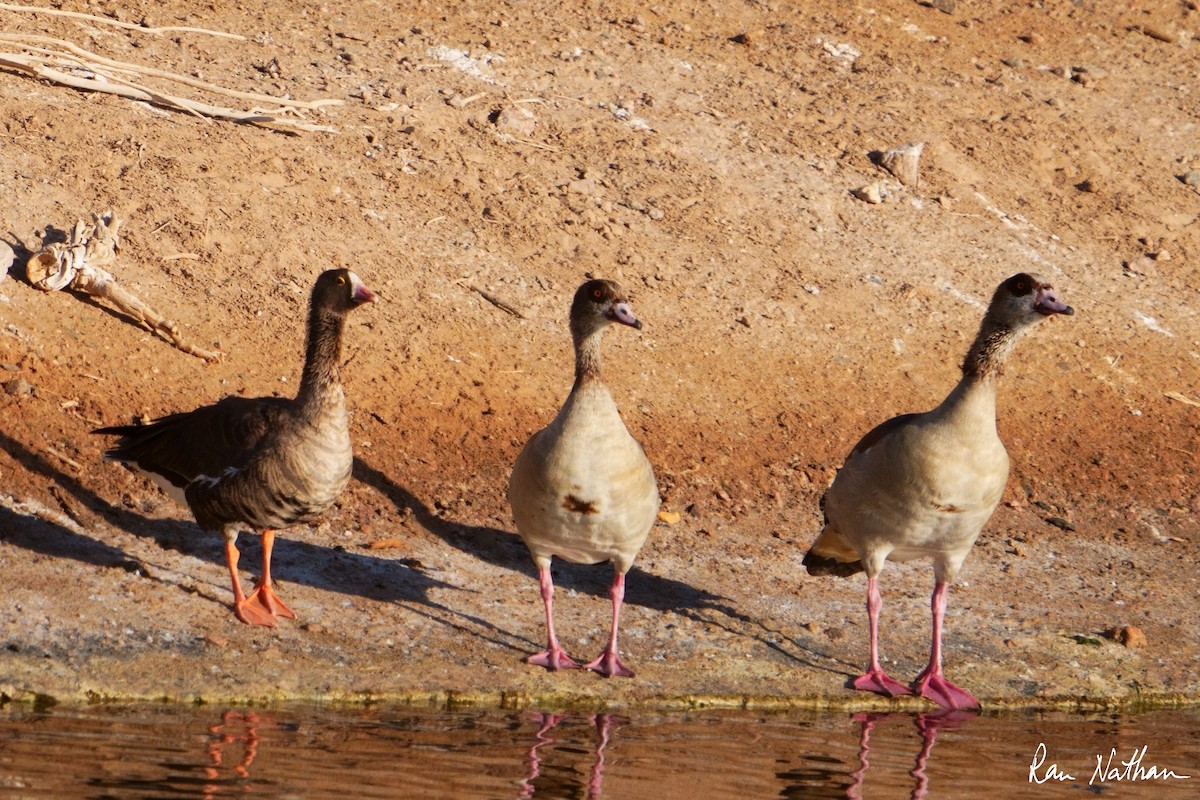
<point>135,92</point>
<point>25,41</point>
<point>497,302</point>
<point>117,23</point>
<point>66,265</point>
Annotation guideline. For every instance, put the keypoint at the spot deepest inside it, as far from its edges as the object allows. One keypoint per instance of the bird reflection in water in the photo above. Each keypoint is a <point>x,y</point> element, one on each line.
<point>564,786</point>
<point>235,726</point>
<point>927,725</point>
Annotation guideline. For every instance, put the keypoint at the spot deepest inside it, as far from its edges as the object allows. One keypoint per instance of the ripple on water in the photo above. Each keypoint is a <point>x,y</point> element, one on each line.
<point>306,752</point>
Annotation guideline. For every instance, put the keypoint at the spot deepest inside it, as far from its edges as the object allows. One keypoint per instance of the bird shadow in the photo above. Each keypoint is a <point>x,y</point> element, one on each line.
<point>330,569</point>
<point>505,549</point>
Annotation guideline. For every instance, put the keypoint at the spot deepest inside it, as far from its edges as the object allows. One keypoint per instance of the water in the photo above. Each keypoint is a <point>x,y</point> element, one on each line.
<point>307,752</point>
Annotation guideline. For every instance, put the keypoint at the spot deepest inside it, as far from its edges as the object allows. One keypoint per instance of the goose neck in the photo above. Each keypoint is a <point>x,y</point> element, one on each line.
<point>322,356</point>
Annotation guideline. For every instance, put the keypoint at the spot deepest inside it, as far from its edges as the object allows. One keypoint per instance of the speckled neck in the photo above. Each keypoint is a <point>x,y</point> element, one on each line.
<point>321,360</point>
<point>990,349</point>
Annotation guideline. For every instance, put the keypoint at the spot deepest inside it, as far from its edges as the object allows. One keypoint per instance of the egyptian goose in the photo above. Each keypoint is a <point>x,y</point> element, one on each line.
<point>261,463</point>
<point>582,488</point>
<point>925,484</point>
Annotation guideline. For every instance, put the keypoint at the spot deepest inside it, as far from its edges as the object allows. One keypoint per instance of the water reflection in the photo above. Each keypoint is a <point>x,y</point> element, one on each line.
<point>927,726</point>
<point>566,785</point>
<point>295,751</point>
<point>235,727</point>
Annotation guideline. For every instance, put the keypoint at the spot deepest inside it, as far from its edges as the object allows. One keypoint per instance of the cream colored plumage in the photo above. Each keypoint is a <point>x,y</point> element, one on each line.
<point>925,484</point>
<point>582,489</point>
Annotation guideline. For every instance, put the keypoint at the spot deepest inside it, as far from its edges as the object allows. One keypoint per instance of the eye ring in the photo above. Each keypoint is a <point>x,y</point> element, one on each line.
<point>341,280</point>
<point>1021,287</point>
<point>597,293</point>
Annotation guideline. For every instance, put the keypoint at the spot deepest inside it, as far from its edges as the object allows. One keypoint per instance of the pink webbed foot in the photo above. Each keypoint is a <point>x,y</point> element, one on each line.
<point>877,681</point>
<point>553,660</point>
<point>933,686</point>
<point>609,664</point>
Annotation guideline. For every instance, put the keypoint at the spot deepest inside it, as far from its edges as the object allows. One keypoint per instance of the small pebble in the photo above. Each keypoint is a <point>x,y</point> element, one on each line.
<point>1162,34</point>
<point>1127,635</point>
<point>18,386</point>
<point>869,194</point>
<point>516,119</point>
<point>1059,522</point>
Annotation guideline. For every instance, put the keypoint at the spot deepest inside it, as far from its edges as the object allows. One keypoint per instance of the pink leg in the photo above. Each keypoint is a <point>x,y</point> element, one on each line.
<point>554,658</point>
<point>876,680</point>
<point>609,663</point>
<point>931,683</point>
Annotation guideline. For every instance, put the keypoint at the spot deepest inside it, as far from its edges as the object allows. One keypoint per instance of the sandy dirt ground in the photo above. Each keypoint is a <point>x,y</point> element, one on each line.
<point>704,154</point>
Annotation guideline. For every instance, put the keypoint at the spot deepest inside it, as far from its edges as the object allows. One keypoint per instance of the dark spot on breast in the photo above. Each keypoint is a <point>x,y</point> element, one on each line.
<point>573,503</point>
<point>948,508</point>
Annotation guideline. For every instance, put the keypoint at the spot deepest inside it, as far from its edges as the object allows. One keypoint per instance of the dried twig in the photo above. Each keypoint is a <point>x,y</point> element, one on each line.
<point>47,58</point>
<point>77,265</point>
<point>1181,398</point>
<point>117,23</point>
<point>497,302</point>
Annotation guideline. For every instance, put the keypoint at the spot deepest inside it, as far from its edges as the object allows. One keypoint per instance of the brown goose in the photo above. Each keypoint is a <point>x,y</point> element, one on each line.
<point>262,463</point>
<point>925,484</point>
<point>582,489</point>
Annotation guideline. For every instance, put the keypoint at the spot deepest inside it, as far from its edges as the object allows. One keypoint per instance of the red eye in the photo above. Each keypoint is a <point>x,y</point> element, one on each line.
<point>597,294</point>
<point>1021,287</point>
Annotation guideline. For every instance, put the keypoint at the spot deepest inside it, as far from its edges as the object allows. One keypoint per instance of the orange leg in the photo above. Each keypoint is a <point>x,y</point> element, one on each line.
<point>249,612</point>
<point>265,595</point>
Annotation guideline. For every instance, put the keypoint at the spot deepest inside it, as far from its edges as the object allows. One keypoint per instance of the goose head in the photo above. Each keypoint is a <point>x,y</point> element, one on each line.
<point>340,290</point>
<point>1024,299</point>
<point>597,304</point>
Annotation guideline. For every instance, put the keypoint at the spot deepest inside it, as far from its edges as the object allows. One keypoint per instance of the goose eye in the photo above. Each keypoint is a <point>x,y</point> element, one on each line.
<point>1021,287</point>
<point>341,281</point>
<point>597,293</point>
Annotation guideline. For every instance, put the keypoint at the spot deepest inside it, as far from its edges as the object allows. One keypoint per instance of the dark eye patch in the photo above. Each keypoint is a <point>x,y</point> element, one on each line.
<point>1021,285</point>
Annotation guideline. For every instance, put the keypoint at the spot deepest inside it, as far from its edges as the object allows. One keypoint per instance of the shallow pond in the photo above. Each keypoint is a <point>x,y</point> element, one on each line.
<point>311,752</point>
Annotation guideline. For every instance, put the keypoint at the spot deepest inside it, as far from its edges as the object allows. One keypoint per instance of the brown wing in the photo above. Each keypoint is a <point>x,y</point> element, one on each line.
<point>207,441</point>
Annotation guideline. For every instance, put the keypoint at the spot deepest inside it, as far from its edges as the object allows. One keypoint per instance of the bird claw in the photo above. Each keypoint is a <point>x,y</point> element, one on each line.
<point>609,664</point>
<point>553,660</point>
<point>944,693</point>
<point>263,607</point>
<point>252,612</point>
<point>266,597</point>
<point>877,681</point>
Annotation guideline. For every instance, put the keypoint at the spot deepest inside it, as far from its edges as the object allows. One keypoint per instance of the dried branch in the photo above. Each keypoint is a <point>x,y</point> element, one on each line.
<point>117,23</point>
<point>77,264</point>
<point>497,302</point>
<point>92,59</point>
<point>40,59</point>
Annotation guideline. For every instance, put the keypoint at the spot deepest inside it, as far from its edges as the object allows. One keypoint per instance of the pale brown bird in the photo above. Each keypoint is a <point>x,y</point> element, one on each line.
<point>924,485</point>
<point>582,488</point>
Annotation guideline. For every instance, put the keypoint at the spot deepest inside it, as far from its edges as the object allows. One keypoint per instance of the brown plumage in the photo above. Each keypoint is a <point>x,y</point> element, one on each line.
<point>923,485</point>
<point>260,463</point>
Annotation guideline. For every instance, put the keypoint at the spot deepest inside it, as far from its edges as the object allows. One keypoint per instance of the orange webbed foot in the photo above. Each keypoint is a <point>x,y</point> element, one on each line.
<point>251,611</point>
<point>266,598</point>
